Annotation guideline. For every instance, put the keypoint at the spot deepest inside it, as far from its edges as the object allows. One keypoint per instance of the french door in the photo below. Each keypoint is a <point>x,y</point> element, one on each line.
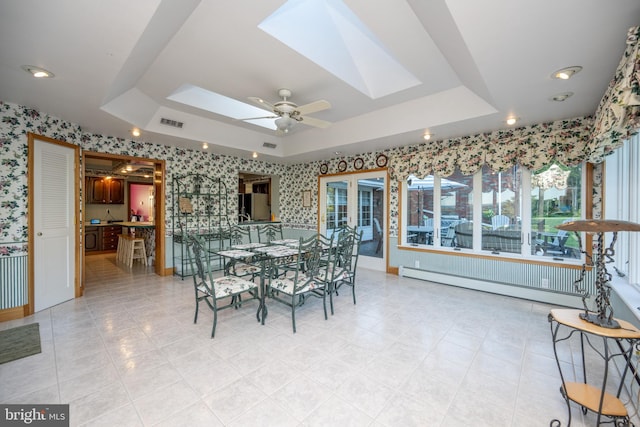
<point>357,200</point>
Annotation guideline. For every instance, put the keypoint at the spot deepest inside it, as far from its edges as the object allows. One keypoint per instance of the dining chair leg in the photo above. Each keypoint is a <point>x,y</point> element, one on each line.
<point>215,321</point>
<point>324,303</point>
<point>331,297</point>
<point>293,317</point>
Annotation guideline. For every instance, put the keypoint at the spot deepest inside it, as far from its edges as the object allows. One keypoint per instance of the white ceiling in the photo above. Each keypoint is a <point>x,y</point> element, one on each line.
<point>116,62</point>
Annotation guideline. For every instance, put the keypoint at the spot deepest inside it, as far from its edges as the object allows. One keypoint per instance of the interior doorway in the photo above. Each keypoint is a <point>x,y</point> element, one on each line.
<point>129,170</point>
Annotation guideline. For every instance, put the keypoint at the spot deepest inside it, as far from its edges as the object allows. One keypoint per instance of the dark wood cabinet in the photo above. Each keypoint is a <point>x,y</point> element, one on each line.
<point>104,191</point>
<point>110,237</point>
<point>91,239</point>
<point>101,238</point>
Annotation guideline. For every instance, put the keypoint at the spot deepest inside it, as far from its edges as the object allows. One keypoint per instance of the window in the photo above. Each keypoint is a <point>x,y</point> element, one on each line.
<point>622,178</point>
<point>513,212</point>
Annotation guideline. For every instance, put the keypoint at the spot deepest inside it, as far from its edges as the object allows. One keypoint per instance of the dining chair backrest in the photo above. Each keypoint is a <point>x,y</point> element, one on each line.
<point>269,232</point>
<point>348,249</point>
<point>200,263</point>
<point>309,265</point>
<point>237,235</point>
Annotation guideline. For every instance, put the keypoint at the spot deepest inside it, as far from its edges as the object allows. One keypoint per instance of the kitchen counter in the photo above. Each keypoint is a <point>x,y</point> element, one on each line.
<point>136,224</point>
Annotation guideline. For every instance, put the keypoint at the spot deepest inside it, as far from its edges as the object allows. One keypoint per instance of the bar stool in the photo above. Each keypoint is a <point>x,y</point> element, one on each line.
<point>130,249</point>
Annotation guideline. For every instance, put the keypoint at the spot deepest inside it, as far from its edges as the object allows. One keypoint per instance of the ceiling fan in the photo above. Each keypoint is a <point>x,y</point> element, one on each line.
<point>287,113</point>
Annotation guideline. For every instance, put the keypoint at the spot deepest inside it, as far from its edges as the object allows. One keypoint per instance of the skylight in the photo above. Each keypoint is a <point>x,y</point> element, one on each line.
<point>328,33</point>
<point>213,102</point>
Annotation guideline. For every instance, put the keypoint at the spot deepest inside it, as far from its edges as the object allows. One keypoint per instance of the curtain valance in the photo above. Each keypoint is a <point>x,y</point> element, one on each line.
<point>533,147</point>
<point>618,115</point>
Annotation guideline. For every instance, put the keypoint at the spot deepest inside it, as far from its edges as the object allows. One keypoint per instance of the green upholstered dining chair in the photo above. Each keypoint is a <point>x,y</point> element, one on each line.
<point>218,293</point>
<point>302,281</point>
<point>346,263</point>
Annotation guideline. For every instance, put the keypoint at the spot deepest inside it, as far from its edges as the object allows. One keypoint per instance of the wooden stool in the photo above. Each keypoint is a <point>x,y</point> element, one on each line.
<point>130,249</point>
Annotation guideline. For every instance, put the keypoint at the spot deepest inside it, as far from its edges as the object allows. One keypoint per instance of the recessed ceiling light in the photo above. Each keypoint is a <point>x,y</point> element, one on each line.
<point>255,155</point>
<point>38,72</point>
<point>566,73</point>
<point>512,121</point>
<point>205,145</point>
<point>426,136</point>
<point>561,96</point>
<point>135,132</point>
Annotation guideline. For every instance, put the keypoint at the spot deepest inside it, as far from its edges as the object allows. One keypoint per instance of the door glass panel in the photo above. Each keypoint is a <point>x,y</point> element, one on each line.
<point>371,216</point>
<point>337,214</point>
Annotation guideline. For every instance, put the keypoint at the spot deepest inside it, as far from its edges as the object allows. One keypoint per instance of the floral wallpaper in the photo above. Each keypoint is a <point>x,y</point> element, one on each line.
<point>440,157</point>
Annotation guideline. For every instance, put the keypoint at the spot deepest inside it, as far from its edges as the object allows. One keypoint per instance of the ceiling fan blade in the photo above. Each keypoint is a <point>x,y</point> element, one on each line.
<point>313,107</point>
<point>314,122</point>
<point>258,118</point>
<point>262,102</point>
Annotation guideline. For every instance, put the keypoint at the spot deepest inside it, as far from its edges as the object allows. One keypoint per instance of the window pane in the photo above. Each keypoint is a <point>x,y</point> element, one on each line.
<point>555,198</point>
<point>364,208</point>
<point>456,208</point>
<point>501,210</point>
<point>420,210</point>
<point>336,205</point>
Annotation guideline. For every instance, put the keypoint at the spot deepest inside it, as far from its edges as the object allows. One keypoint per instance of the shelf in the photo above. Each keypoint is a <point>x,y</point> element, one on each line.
<point>201,212</point>
<point>589,396</point>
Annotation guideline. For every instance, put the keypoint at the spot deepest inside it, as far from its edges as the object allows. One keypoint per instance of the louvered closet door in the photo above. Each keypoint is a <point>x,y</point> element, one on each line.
<point>53,224</point>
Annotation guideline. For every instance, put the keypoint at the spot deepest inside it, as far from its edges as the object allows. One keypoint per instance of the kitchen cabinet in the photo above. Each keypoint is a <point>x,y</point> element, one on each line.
<point>110,237</point>
<point>91,239</point>
<point>101,238</point>
<point>104,191</point>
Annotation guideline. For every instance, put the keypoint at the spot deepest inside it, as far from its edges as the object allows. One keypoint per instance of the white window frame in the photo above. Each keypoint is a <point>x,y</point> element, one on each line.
<point>525,252</point>
<point>622,202</point>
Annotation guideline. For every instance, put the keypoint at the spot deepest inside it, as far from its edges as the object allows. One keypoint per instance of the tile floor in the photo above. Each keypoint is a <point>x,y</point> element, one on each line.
<point>410,353</point>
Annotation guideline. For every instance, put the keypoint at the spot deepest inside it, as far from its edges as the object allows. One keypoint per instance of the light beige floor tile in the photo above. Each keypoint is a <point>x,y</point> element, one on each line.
<point>125,416</point>
<point>164,402</point>
<point>335,412</point>
<point>129,354</point>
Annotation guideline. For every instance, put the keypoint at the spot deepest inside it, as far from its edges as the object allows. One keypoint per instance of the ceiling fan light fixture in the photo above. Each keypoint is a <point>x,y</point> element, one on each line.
<point>566,73</point>
<point>284,123</point>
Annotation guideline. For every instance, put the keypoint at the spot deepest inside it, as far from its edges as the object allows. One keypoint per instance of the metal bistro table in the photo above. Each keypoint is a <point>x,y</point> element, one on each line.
<point>267,256</point>
<point>614,342</point>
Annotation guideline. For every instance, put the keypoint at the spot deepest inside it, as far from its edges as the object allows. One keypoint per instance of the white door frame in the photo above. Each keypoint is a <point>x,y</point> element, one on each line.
<point>352,179</point>
<point>73,250</point>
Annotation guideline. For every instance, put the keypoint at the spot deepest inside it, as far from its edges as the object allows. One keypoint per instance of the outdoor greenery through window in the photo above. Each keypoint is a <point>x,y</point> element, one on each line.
<point>490,211</point>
